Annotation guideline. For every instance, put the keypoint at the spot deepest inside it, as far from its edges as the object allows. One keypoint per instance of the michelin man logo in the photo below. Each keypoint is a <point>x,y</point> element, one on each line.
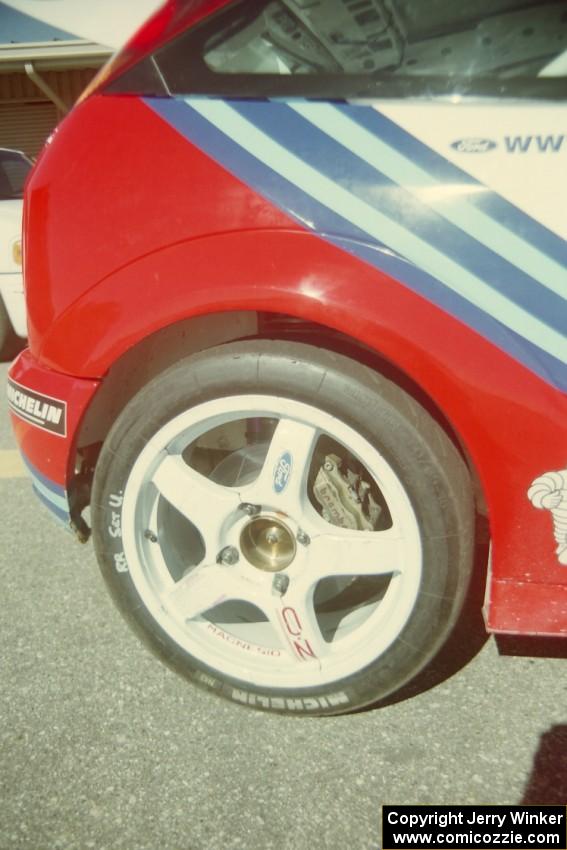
<point>549,492</point>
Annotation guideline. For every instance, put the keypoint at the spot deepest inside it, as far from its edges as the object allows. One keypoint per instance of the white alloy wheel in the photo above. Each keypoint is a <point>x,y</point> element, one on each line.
<point>235,615</point>
<point>280,545</point>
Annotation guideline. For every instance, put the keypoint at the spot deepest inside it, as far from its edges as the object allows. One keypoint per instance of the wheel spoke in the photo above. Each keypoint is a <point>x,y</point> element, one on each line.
<point>283,479</point>
<point>204,587</point>
<point>293,619</point>
<point>204,503</point>
<point>356,553</point>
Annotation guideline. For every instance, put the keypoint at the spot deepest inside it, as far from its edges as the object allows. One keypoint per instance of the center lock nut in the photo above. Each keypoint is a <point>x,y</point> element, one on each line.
<point>268,544</point>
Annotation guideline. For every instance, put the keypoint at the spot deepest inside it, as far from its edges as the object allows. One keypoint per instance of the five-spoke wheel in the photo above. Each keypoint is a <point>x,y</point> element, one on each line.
<point>284,534</point>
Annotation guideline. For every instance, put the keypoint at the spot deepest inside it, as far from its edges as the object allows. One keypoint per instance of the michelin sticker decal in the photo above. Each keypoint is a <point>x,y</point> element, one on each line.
<point>45,412</point>
<point>549,492</point>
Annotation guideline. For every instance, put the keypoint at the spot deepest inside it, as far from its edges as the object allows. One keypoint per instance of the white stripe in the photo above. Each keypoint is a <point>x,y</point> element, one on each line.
<point>52,497</point>
<point>415,180</point>
<point>370,220</point>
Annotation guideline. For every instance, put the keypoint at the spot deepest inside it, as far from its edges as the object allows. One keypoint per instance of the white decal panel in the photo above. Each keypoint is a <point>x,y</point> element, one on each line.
<point>519,151</point>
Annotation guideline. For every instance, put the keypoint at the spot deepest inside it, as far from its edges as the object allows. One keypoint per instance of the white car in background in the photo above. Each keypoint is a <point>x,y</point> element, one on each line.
<point>14,168</point>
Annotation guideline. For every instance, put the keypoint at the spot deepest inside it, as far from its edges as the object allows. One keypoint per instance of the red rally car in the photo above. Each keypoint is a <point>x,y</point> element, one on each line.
<point>296,275</point>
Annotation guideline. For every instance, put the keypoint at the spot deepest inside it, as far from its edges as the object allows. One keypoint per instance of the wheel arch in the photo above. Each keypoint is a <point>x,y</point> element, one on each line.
<point>160,350</point>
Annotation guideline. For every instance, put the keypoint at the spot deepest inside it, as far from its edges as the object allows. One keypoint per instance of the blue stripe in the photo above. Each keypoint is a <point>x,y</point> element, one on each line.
<point>378,226</point>
<point>447,173</point>
<point>50,493</point>
<point>297,204</point>
<point>336,229</point>
<point>344,168</point>
<point>450,200</point>
<point>57,490</point>
<point>61,515</point>
<point>548,368</point>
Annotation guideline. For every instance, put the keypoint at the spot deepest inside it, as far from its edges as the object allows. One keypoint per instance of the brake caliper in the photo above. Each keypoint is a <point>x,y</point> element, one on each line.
<point>345,497</point>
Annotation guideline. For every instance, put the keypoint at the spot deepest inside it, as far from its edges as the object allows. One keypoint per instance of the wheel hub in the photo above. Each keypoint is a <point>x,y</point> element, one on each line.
<point>268,544</point>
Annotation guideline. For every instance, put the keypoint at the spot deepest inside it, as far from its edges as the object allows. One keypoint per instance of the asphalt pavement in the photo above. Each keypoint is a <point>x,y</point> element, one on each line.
<point>103,747</point>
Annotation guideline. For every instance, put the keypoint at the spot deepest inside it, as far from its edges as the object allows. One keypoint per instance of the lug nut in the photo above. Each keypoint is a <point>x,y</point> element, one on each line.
<point>328,466</point>
<point>228,556</point>
<point>251,510</point>
<point>149,535</point>
<point>303,538</point>
<point>280,583</point>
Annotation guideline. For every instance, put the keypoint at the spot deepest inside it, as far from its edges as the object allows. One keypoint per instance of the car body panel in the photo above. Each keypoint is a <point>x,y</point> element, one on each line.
<point>145,158</point>
<point>527,608</point>
<point>46,409</point>
<point>408,227</point>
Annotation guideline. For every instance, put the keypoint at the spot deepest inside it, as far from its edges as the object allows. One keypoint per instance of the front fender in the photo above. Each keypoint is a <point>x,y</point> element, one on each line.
<point>508,419</point>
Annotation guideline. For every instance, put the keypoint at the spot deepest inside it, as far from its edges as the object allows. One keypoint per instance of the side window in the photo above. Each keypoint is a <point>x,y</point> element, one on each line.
<point>13,172</point>
<point>302,38</point>
<point>393,36</point>
<point>350,48</point>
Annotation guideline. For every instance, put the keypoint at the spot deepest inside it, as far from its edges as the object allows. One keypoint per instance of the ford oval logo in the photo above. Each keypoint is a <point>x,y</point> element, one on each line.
<point>474,145</point>
<point>282,472</point>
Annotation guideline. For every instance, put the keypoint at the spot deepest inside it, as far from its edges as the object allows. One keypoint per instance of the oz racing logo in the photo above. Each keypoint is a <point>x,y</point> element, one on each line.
<point>45,412</point>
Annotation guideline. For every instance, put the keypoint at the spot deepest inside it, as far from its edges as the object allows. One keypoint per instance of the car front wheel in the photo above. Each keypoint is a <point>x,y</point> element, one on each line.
<point>284,526</point>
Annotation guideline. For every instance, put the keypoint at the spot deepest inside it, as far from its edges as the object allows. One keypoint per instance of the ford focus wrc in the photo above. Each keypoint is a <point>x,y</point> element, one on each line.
<point>296,275</point>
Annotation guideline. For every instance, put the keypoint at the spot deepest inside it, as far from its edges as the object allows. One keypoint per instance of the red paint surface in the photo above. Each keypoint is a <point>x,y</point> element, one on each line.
<point>48,452</point>
<point>537,609</point>
<point>141,229</point>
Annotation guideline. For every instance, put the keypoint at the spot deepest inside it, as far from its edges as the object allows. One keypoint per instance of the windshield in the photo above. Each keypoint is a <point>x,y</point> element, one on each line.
<point>14,168</point>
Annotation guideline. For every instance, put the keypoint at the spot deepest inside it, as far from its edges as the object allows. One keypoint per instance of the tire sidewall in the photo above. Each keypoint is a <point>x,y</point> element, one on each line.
<point>432,473</point>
